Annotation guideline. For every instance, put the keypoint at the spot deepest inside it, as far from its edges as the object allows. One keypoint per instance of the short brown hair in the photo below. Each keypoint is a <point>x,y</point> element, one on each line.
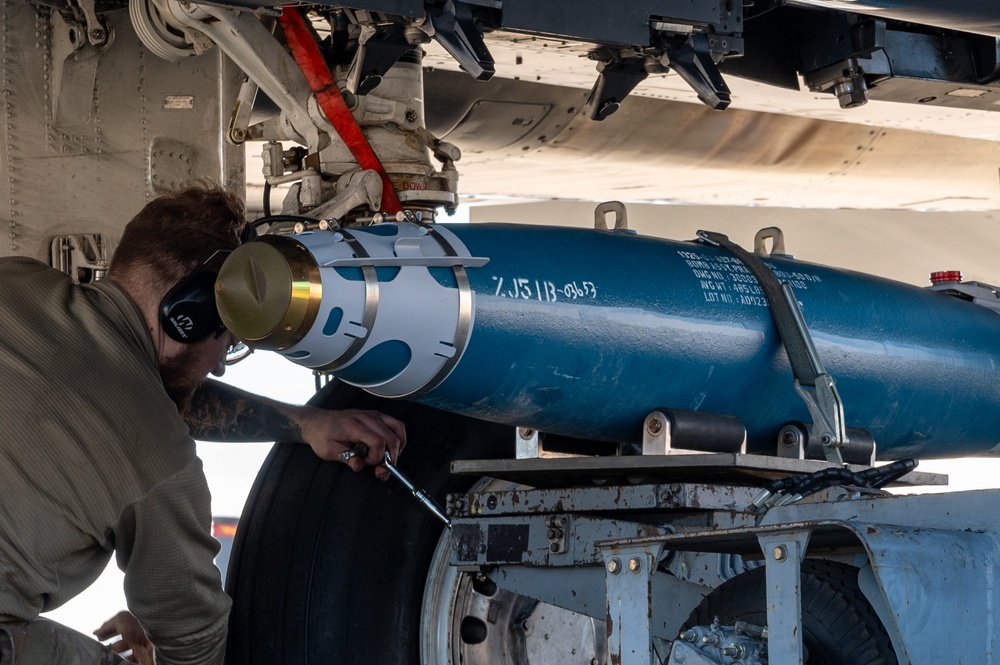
<point>175,233</point>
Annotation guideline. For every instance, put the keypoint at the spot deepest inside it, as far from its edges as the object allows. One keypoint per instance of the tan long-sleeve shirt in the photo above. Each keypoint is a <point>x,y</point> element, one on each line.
<point>94,459</point>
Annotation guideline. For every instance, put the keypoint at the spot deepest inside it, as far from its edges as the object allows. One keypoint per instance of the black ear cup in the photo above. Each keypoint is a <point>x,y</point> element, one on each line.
<point>188,312</point>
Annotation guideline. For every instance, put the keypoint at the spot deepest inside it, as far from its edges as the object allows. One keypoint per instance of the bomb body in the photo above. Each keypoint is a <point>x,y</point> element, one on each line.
<point>583,333</point>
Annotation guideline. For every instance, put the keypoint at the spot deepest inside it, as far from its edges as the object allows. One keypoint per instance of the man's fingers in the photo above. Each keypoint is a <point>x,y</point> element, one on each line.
<point>109,628</point>
<point>105,632</point>
<point>397,427</point>
<point>369,428</point>
<point>344,436</point>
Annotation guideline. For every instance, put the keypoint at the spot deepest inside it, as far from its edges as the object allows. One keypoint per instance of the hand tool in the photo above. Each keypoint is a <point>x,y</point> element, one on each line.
<point>361,450</point>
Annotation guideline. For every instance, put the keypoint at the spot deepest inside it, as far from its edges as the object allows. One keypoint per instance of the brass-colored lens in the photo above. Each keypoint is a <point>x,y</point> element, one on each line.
<point>269,291</point>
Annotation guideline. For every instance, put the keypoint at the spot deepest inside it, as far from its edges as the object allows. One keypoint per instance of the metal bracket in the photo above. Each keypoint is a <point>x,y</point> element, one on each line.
<point>629,572</point>
<point>617,78</point>
<point>255,50</point>
<point>358,188</point>
<point>827,411</point>
<point>693,61</point>
<point>97,32</point>
<point>444,152</point>
<point>676,431</point>
<point>74,71</point>
<point>783,553</point>
<point>795,442</point>
<point>84,256</point>
<point>378,50</point>
<point>979,293</point>
<point>240,119</point>
<point>601,215</point>
<point>455,29</point>
<point>528,443</point>
<point>847,79</point>
<point>777,238</point>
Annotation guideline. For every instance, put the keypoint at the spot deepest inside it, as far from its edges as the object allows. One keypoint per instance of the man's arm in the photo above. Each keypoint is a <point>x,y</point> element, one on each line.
<point>220,412</point>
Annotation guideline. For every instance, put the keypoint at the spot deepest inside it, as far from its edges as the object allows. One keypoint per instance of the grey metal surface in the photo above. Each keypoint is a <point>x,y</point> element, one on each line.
<point>798,160</point>
<point>583,590</point>
<point>934,561</point>
<point>937,582</point>
<point>73,162</point>
<point>539,540</point>
<point>744,469</point>
<point>623,23</point>
<point>611,498</point>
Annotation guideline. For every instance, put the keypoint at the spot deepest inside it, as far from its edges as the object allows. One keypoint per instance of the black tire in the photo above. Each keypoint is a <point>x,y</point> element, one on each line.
<point>328,566</point>
<point>839,626</point>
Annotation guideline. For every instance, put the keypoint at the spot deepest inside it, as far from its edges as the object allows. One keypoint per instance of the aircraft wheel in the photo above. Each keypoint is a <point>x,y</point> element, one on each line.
<point>329,566</point>
<point>468,620</point>
<point>839,625</point>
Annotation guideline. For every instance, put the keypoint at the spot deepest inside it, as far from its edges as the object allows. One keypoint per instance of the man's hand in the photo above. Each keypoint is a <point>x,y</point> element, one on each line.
<point>220,412</point>
<point>330,433</point>
<point>133,645</point>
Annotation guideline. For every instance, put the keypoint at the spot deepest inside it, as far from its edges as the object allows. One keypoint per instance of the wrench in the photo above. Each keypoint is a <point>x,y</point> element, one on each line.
<point>361,450</point>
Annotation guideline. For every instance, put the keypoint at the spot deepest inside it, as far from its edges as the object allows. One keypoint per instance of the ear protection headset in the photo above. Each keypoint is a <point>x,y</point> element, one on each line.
<point>188,312</point>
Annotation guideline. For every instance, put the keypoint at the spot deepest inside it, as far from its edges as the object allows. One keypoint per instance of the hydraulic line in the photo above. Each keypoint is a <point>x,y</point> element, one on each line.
<point>310,60</point>
<point>793,488</point>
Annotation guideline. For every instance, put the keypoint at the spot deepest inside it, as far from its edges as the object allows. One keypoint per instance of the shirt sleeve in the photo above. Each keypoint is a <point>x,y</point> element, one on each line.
<point>164,545</point>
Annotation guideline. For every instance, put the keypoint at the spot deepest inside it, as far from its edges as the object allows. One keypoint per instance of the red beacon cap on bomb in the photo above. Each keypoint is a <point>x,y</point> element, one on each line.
<point>943,276</point>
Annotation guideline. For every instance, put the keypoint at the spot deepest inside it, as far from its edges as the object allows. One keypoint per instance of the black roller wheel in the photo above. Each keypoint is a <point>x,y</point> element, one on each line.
<point>329,566</point>
<point>839,625</point>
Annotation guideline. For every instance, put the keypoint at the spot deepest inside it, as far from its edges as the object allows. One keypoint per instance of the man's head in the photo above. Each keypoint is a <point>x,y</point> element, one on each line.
<point>174,234</point>
<point>168,241</point>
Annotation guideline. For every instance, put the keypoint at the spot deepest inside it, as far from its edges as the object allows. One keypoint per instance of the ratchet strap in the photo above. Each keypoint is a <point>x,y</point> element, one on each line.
<point>816,388</point>
<point>314,68</point>
<point>781,311</point>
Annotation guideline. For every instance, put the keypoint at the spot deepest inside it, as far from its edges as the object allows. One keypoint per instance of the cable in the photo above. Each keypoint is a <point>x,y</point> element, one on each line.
<point>793,488</point>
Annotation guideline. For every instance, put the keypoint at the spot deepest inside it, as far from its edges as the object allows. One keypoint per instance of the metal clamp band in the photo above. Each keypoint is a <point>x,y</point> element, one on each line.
<point>464,328</point>
<point>371,304</point>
